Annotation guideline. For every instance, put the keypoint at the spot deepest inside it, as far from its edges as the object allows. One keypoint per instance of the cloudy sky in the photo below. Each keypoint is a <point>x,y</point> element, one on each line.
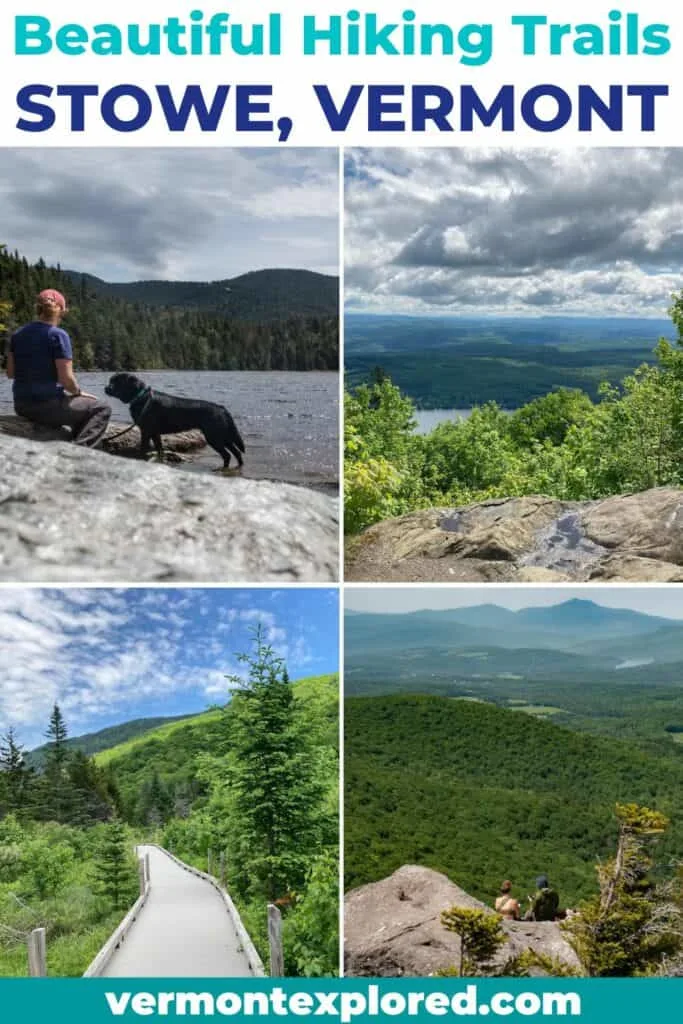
<point>514,232</point>
<point>663,601</point>
<point>109,656</point>
<point>189,214</point>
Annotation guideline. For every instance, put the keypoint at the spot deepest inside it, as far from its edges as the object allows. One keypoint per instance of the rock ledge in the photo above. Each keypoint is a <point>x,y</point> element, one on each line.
<point>393,927</point>
<point>68,514</point>
<point>629,537</point>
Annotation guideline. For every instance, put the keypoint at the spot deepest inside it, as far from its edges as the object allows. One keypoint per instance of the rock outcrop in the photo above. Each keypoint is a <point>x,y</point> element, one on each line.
<point>126,444</point>
<point>629,537</point>
<point>393,928</point>
<point>68,514</point>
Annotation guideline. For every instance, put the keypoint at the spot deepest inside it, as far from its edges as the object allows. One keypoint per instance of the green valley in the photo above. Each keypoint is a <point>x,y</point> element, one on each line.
<point>481,793</point>
<point>506,741</point>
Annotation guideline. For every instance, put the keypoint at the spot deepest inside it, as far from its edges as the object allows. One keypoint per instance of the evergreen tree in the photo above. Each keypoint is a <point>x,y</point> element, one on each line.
<point>112,332</point>
<point>113,868</point>
<point>481,936</point>
<point>15,772</point>
<point>272,780</point>
<point>628,929</point>
<point>91,799</point>
<point>156,802</point>
<point>58,797</point>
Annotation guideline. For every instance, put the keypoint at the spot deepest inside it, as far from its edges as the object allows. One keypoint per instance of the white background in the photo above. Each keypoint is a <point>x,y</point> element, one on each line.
<point>292,74</point>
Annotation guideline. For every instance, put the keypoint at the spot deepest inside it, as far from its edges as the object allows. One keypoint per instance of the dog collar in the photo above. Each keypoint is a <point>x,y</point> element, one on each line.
<point>143,391</point>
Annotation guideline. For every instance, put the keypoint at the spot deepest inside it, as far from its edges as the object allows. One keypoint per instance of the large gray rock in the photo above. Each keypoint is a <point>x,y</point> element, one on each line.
<point>630,537</point>
<point>69,514</point>
<point>393,928</point>
<point>119,439</point>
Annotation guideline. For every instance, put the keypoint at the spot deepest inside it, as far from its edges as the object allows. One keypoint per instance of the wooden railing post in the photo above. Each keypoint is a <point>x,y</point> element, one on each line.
<point>37,954</point>
<point>222,877</point>
<point>277,956</point>
<point>209,858</point>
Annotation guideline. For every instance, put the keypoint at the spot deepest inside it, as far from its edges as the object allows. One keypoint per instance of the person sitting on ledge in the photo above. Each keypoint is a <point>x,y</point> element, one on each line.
<point>544,905</point>
<point>40,364</point>
<point>506,904</point>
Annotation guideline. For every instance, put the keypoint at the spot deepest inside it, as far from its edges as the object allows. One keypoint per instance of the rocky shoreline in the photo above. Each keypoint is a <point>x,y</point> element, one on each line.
<point>69,514</point>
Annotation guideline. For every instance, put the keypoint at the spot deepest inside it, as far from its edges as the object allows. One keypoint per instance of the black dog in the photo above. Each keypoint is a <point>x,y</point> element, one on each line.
<point>156,414</point>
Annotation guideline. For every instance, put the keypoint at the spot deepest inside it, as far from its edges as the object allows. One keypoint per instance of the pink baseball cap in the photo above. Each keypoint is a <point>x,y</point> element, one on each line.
<point>51,295</point>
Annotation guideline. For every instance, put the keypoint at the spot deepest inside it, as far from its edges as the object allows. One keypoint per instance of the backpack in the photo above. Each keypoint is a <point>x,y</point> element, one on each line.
<point>545,906</point>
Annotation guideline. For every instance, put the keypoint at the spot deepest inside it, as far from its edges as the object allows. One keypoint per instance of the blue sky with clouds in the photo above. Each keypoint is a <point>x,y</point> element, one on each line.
<point>109,656</point>
<point>492,231</point>
<point>188,214</point>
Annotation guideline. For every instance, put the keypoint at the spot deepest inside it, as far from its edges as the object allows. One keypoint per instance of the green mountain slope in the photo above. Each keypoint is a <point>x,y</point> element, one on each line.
<point>483,793</point>
<point>170,751</point>
<point>94,742</point>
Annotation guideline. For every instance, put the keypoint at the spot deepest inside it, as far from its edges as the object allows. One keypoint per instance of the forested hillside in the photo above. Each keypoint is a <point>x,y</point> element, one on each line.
<point>266,321</point>
<point>258,295</point>
<point>68,823</point>
<point>93,742</point>
<point>457,362</point>
<point>561,444</point>
<point>482,794</point>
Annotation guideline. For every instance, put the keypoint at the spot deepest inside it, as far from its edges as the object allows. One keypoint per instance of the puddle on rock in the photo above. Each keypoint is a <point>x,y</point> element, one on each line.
<point>564,546</point>
<point>451,524</point>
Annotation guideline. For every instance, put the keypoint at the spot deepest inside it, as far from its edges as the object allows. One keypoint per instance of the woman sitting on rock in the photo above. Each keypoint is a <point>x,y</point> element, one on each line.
<point>506,905</point>
<point>40,363</point>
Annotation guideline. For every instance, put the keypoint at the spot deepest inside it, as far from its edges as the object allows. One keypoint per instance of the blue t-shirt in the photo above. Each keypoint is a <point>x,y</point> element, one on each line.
<point>35,348</point>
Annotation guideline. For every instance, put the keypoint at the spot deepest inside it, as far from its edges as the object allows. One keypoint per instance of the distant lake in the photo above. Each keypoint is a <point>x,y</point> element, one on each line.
<point>427,419</point>
<point>289,421</point>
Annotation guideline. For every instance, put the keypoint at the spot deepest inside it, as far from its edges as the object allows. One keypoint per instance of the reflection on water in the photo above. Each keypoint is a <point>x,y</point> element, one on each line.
<point>289,421</point>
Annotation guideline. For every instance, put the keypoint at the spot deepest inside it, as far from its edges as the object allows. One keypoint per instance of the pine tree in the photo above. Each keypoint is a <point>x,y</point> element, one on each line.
<point>58,790</point>
<point>156,802</point>
<point>481,936</point>
<point>56,735</point>
<point>114,873</point>
<point>272,781</point>
<point>16,775</point>
<point>628,928</point>
<point>91,799</point>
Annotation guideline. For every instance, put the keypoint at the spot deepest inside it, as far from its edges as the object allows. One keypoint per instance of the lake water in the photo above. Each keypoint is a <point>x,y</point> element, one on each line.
<point>427,419</point>
<point>289,421</point>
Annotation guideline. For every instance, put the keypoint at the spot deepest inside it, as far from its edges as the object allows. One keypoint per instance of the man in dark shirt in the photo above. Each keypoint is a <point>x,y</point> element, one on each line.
<point>40,363</point>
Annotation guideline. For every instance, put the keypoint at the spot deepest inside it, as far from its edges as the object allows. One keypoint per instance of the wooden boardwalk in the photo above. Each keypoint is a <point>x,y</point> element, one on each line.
<point>183,931</point>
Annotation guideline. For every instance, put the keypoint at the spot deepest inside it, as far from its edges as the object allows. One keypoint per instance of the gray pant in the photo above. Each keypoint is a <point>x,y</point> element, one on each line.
<point>88,419</point>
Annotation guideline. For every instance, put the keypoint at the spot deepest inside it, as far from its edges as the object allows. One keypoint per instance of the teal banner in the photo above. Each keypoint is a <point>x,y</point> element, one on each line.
<point>344,1001</point>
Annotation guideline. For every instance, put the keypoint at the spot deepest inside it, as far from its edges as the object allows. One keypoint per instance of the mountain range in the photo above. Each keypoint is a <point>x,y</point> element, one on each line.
<point>601,669</point>
<point>258,295</point>
<point>94,742</point>
<point>575,626</point>
<point>452,362</point>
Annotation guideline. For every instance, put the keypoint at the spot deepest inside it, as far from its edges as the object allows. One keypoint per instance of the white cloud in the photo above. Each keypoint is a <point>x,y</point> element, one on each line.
<point>190,214</point>
<point>503,231</point>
